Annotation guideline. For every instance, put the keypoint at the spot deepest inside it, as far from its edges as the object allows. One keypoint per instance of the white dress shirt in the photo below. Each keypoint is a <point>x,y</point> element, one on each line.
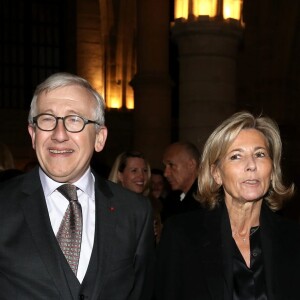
<point>57,205</point>
<point>182,196</point>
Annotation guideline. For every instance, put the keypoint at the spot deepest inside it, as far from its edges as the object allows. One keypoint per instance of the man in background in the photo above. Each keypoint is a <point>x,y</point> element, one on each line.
<point>181,161</point>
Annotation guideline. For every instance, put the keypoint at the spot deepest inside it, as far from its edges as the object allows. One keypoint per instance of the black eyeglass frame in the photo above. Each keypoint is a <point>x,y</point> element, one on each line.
<point>85,122</point>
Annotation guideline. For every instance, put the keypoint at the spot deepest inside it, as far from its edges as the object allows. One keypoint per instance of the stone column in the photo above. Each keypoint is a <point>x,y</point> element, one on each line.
<point>152,85</point>
<point>89,45</point>
<point>207,80</point>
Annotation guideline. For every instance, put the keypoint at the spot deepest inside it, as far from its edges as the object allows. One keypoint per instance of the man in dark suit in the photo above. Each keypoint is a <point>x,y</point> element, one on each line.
<point>113,226</point>
<point>181,160</point>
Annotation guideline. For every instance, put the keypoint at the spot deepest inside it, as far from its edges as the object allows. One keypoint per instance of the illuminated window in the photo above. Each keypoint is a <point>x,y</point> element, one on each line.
<point>231,8</point>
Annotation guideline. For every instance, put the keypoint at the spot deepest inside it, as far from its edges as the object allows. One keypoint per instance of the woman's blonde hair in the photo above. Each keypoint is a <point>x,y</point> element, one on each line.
<point>120,164</point>
<point>216,146</point>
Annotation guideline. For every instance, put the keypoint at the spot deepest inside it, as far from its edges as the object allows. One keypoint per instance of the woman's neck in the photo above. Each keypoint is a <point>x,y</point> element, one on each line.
<point>243,216</point>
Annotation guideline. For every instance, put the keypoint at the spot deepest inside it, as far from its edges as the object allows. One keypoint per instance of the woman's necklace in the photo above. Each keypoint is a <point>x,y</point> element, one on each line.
<point>244,237</point>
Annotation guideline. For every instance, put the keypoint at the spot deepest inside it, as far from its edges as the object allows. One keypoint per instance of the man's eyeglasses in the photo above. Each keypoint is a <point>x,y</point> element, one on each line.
<point>72,123</point>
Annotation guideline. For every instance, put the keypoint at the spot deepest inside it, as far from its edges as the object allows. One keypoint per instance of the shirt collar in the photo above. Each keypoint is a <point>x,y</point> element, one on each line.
<point>181,197</point>
<point>86,183</point>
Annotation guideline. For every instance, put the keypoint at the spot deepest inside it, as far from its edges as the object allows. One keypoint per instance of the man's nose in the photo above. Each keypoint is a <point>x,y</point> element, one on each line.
<point>60,132</point>
<point>167,171</point>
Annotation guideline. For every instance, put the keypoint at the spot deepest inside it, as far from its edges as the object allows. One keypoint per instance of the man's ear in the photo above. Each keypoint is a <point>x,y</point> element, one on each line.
<point>215,172</point>
<point>192,163</point>
<point>31,130</point>
<point>100,139</point>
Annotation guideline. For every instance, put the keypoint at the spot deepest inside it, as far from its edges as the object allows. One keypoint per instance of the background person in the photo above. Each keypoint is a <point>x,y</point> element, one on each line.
<point>159,187</point>
<point>159,190</point>
<point>7,164</point>
<point>181,161</point>
<point>237,248</point>
<point>133,172</point>
<point>110,256</point>
<point>6,158</point>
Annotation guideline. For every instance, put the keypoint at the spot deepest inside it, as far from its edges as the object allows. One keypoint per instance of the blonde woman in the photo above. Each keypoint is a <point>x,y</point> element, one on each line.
<point>237,248</point>
<point>132,171</point>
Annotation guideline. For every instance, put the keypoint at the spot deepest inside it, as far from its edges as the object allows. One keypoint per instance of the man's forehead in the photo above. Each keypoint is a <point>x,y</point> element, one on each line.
<point>68,91</point>
<point>71,97</point>
<point>175,151</point>
<point>176,159</point>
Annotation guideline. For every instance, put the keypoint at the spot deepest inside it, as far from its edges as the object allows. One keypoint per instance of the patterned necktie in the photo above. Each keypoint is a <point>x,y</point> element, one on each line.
<point>70,230</point>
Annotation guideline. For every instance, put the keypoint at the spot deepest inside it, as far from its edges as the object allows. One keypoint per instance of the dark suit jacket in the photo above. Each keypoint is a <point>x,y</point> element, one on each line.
<point>195,261</point>
<point>32,266</point>
<point>172,205</point>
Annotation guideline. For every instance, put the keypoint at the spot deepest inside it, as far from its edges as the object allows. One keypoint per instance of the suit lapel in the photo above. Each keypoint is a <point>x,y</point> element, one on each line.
<point>227,253</point>
<point>212,253</point>
<point>37,217</point>
<point>104,231</point>
<point>36,214</point>
<point>270,249</point>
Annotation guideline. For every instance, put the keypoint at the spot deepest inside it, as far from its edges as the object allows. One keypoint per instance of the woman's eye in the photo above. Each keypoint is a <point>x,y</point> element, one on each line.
<point>235,156</point>
<point>260,154</point>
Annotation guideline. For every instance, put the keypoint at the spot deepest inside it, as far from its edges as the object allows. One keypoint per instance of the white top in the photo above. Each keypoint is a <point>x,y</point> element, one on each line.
<point>57,205</point>
<point>182,196</point>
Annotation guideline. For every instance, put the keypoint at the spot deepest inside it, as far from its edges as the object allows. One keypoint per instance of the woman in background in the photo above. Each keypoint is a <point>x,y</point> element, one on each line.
<point>237,248</point>
<point>133,172</point>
